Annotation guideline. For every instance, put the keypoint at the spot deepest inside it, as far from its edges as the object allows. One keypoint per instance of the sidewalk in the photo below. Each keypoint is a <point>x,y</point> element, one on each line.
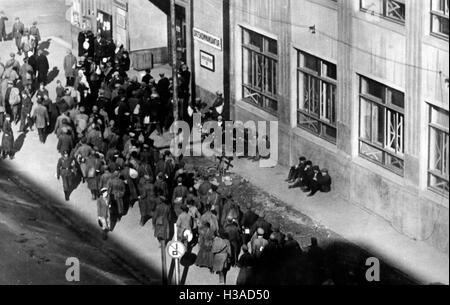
<point>358,226</point>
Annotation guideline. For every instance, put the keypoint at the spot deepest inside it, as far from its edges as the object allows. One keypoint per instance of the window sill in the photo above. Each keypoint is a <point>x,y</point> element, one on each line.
<point>436,41</point>
<point>332,148</point>
<point>436,197</point>
<point>379,170</point>
<point>326,3</point>
<point>381,21</point>
<point>258,111</point>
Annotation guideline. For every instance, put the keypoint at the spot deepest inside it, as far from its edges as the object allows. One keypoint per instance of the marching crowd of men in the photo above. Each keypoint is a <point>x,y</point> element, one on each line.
<point>104,120</point>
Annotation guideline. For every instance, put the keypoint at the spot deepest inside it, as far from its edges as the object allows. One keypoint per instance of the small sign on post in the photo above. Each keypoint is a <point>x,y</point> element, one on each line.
<point>176,250</point>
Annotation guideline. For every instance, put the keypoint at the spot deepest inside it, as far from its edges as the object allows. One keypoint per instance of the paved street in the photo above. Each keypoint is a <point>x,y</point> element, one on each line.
<point>35,244</point>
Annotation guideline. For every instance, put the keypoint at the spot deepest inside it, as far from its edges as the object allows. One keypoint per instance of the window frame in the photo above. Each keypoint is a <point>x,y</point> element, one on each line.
<point>386,150</point>
<point>438,14</point>
<point>443,133</point>
<point>384,13</point>
<point>320,118</point>
<point>272,59</point>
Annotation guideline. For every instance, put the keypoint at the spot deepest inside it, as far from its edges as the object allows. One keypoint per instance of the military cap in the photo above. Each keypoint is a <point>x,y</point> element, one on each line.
<point>315,168</point>
<point>260,231</point>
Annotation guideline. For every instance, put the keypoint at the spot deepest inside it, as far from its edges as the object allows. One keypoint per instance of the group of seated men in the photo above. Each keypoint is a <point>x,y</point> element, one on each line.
<point>309,178</point>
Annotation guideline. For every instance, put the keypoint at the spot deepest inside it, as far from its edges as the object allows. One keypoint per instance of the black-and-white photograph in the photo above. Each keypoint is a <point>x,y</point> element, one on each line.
<point>246,143</point>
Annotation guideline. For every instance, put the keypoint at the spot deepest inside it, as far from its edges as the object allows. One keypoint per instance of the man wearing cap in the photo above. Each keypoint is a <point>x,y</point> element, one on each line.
<point>184,223</point>
<point>117,189</point>
<point>12,63</point>
<point>147,77</point>
<point>312,178</point>
<point>40,116</point>
<point>7,144</point>
<point>94,165</point>
<point>26,72</point>
<point>161,185</point>
<point>161,218</point>
<point>235,238</point>
<point>305,175</point>
<point>66,169</point>
<point>179,195</point>
<point>294,172</point>
<point>3,18</point>
<point>27,105</point>
<point>42,67</point>
<point>261,223</point>
<point>35,35</point>
<point>17,32</point>
<point>6,92</point>
<point>65,141</point>
<point>147,202</point>
<point>103,212</point>
<point>320,182</point>
<point>26,43</point>
<point>258,243</point>
<point>70,63</point>
<point>211,218</point>
<point>217,107</point>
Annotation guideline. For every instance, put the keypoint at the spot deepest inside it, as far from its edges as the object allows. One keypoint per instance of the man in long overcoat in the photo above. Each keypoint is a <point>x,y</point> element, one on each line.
<point>41,120</point>
<point>3,18</point>
<point>70,62</point>
<point>7,139</point>
<point>147,199</point>
<point>161,219</point>
<point>42,67</point>
<point>66,169</point>
<point>17,31</point>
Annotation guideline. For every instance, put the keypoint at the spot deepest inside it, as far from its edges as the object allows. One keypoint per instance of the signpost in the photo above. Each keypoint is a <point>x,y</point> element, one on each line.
<point>176,250</point>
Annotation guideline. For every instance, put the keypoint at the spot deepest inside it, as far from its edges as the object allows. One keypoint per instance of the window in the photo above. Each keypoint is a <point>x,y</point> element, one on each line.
<point>381,121</point>
<point>260,70</point>
<point>391,9</point>
<point>438,154</point>
<point>316,88</point>
<point>439,18</point>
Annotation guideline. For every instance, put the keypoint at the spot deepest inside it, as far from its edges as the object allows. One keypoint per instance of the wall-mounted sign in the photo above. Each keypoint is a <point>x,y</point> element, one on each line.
<point>121,4</point>
<point>207,61</point>
<point>121,20</point>
<point>207,38</point>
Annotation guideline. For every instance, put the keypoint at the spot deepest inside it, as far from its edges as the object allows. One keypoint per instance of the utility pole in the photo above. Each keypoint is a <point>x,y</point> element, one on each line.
<point>164,262</point>
<point>174,59</point>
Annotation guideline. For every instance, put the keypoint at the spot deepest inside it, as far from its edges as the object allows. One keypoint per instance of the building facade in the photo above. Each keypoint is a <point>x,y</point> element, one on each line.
<point>359,87</point>
<point>121,21</point>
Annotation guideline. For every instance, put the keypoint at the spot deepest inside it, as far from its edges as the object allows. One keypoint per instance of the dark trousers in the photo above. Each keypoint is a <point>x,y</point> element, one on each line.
<point>70,81</point>
<point>42,134</point>
<point>3,36</point>
<point>42,76</point>
<point>25,122</point>
<point>16,113</point>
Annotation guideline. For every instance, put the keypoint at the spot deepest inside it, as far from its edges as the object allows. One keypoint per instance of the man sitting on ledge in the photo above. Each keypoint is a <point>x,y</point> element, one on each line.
<point>320,182</point>
<point>294,172</point>
<point>304,176</point>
